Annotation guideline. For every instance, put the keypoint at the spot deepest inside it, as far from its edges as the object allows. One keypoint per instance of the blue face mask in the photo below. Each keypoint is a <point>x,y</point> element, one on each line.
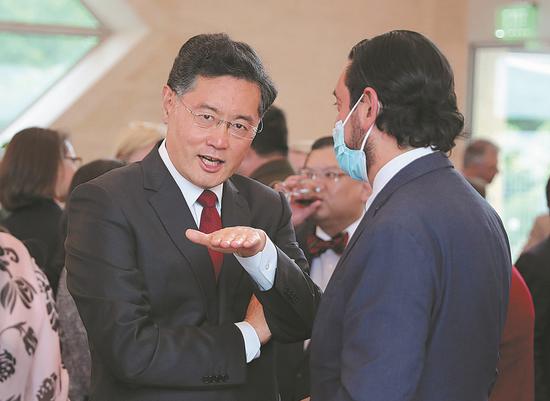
<point>351,161</point>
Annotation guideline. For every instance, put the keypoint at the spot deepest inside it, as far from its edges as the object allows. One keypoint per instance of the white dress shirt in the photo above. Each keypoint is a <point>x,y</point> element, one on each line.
<point>323,265</point>
<point>394,166</point>
<point>261,267</point>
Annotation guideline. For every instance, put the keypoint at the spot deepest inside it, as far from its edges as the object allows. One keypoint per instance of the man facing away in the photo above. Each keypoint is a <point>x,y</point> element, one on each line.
<point>417,302</point>
<point>179,274</point>
<point>266,161</point>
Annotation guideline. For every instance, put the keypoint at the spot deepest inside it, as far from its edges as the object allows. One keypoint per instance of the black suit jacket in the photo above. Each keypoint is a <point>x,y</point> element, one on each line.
<point>292,360</point>
<point>37,225</point>
<point>159,326</point>
<point>534,266</point>
<point>272,172</point>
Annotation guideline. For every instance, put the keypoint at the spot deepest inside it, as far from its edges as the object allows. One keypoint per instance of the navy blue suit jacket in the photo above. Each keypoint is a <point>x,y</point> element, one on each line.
<point>417,303</point>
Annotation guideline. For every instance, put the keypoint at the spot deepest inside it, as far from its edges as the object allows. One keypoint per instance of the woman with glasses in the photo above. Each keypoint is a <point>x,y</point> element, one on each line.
<point>35,175</point>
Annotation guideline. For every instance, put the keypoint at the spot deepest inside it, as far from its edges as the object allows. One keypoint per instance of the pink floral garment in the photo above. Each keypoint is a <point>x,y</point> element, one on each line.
<point>30,356</point>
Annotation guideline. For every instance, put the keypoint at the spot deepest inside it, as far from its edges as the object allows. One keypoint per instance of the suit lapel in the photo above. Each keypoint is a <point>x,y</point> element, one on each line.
<point>172,210</point>
<point>417,168</point>
<point>235,212</point>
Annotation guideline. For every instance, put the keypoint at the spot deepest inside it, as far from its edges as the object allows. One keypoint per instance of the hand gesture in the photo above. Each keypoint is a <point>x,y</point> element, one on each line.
<point>244,241</point>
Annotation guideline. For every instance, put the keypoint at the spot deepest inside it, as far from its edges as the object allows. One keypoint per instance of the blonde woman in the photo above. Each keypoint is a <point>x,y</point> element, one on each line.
<point>137,140</point>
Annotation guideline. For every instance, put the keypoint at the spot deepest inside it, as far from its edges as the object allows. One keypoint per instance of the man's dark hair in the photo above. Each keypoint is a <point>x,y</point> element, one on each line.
<point>92,170</point>
<point>415,87</point>
<point>320,143</point>
<point>216,55</point>
<point>273,137</point>
<point>30,166</point>
<point>323,142</point>
<point>548,193</point>
<point>476,150</point>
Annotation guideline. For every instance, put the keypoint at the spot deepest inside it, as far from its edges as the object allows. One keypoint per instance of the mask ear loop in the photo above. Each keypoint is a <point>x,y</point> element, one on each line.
<point>353,109</point>
<point>371,127</point>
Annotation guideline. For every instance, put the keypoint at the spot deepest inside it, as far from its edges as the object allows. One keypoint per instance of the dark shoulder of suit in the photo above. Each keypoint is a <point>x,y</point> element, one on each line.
<point>37,225</point>
<point>538,256</point>
<point>273,171</point>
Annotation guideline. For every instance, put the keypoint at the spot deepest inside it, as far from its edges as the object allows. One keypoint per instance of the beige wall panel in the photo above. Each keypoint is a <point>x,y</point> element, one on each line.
<point>304,44</point>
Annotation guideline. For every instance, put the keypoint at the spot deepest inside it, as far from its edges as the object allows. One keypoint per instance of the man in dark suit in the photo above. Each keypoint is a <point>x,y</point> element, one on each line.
<point>176,313</point>
<point>416,305</point>
<point>266,161</point>
<point>534,266</point>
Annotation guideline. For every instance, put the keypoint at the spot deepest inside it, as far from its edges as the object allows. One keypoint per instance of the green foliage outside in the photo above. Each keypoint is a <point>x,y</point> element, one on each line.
<point>49,12</point>
<point>42,51</point>
<point>31,64</point>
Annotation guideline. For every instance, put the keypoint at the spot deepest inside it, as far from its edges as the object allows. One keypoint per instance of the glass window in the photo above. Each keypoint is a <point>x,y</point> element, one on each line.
<point>47,12</point>
<point>510,108</point>
<point>30,64</point>
<point>40,41</point>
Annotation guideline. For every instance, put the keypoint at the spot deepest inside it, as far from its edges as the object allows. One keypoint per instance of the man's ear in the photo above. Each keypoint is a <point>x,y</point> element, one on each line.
<point>368,108</point>
<point>168,102</point>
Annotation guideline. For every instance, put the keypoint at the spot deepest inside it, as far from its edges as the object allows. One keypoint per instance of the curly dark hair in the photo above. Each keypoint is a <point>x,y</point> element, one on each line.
<point>415,86</point>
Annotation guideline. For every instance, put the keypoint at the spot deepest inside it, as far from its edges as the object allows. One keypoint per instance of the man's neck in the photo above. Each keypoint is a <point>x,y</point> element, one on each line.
<point>385,150</point>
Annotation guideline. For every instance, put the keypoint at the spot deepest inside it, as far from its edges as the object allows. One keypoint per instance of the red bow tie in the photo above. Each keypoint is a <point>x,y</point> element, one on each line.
<point>316,246</point>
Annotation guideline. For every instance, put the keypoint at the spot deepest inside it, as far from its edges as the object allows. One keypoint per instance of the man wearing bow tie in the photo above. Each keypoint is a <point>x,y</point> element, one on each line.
<point>323,229</point>
<point>339,206</point>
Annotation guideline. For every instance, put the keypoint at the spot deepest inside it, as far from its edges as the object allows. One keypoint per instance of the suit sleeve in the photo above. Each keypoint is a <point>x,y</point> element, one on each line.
<point>290,305</point>
<point>111,295</point>
<point>386,320</point>
<point>537,280</point>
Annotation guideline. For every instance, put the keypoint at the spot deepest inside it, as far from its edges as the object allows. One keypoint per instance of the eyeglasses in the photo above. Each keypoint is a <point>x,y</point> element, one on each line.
<point>76,159</point>
<point>238,129</point>
<point>329,175</point>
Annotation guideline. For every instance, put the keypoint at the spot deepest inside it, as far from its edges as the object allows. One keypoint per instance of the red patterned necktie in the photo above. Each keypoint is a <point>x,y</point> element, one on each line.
<point>316,246</point>
<point>210,222</point>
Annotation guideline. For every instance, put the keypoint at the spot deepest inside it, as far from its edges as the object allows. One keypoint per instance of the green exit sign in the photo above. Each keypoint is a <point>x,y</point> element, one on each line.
<point>517,22</point>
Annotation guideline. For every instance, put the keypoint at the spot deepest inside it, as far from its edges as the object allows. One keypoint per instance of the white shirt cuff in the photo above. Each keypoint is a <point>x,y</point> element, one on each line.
<point>251,341</point>
<point>262,266</point>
